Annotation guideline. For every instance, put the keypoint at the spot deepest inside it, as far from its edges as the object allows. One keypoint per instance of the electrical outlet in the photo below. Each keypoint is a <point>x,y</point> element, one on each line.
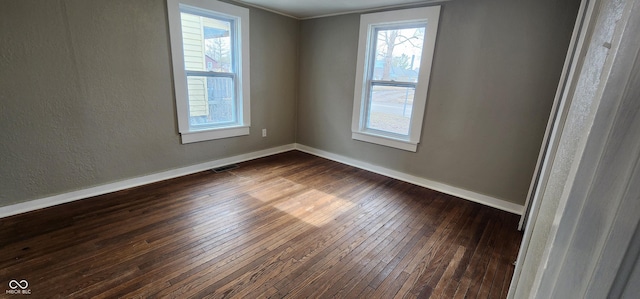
<point>264,132</point>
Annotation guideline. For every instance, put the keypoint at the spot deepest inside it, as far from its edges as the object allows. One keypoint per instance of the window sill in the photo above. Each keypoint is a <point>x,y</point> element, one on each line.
<point>386,141</point>
<point>212,134</point>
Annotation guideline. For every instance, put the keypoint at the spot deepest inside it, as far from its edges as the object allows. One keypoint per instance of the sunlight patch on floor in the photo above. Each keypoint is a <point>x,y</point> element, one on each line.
<point>276,190</point>
<point>315,207</point>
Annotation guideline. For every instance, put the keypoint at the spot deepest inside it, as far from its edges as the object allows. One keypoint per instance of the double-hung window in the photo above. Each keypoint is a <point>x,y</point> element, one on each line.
<point>395,53</point>
<point>210,53</point>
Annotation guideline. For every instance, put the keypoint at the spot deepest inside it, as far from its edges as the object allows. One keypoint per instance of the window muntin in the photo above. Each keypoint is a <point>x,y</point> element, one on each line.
<point>209,43</point>
<point>394,61</point>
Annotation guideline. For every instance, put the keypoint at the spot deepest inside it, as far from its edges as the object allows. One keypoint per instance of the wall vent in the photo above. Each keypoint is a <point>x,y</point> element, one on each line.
<point>224,168</point>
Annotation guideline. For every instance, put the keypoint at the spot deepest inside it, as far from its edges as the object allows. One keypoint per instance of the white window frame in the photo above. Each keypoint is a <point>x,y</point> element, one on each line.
<point>368,23</point>
<point>240,15</point>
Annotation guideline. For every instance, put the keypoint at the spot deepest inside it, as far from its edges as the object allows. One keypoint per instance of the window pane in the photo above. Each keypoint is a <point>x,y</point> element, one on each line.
<point>390,109</point>
<point>397,53</point>
<point>206,43</point>
<point>211,101</point>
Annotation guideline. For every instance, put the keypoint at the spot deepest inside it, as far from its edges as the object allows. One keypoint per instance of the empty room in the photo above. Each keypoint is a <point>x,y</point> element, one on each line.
<point>320,149</point>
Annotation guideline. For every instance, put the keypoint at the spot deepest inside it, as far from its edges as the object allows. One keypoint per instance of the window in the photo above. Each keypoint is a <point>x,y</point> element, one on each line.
<point>395,52</point>
<point>210,53</point>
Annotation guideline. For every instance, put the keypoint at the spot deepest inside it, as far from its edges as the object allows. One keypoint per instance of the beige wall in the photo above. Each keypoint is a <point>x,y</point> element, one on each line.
<point>87,97</point>
<point>86,94</point>
<point>496,68</point>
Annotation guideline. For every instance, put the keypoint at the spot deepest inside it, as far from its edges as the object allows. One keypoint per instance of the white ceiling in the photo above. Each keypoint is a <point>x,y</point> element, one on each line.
<point>306,9</point>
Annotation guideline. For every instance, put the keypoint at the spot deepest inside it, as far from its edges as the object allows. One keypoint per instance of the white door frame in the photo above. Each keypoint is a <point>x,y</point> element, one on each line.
<point>592,246</point>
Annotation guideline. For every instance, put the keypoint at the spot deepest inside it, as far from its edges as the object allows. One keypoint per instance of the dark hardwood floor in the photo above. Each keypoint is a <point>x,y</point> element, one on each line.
<point>287,226</point>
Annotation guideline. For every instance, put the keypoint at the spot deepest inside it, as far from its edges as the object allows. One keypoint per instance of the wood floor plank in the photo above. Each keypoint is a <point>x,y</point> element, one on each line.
<point>448,273</point>
<point>328,279</point>
<point>327,259</point>
<point>290,225</point>
<point>306,248</point>
<point>474,272</point>
<point>425,261</point>
<point>285,261</point>
<point>412,225</point>
<point>470,236</point>
<point>390,252</point>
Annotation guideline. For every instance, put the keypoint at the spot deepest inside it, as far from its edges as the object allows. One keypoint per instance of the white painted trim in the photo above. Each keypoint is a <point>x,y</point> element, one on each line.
<point>135,182</point>
<point>548,151</point>
<point>582,251</point>
<point>243,78</point>
<point>585,248</point>
<point>50,201</point>
<point>556,120</point>
<point>440,187</point>
<point>219,133</point>
<point>384,140</point>
<point>366,41</point>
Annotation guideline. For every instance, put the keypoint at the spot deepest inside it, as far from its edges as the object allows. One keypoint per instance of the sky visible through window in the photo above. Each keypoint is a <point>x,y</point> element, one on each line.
<point>398,53</point>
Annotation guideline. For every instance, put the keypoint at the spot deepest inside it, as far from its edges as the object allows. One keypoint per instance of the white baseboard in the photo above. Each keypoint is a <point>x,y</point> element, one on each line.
<point>36,204</point>
<point>50,201</point>
<point>440,187</point>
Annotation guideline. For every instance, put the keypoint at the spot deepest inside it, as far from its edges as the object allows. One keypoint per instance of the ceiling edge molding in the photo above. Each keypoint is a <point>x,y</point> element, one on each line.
<point>264,8</point>
<point>374,9</point>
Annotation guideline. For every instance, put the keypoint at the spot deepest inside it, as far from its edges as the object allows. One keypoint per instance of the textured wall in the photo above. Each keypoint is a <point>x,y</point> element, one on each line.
<point>584,98</point>
<point>496,69</point>
<point>87,97</point>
